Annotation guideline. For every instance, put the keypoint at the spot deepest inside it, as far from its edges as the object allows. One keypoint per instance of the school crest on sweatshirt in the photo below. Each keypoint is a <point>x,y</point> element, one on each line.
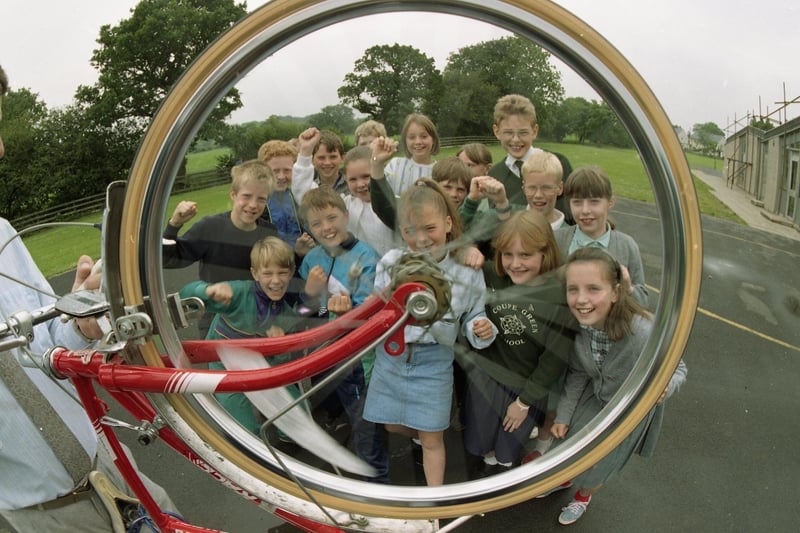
<point>516,322</point>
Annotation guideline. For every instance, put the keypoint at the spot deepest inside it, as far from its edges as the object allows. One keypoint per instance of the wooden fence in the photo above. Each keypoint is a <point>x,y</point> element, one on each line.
<point>447,142</point>
<point>97,202</point>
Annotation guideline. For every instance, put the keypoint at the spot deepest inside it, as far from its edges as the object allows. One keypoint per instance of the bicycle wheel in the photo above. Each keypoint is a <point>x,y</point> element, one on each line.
<point>281,22</point>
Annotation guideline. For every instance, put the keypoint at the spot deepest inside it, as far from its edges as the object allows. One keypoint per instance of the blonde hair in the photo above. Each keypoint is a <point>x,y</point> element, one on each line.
<point>252,171</point>
<point>272,251</point>
<point>271,149</point>
<point>427,192</point>
<point>619,322</point>
<point>427,124</point>
<point>546,162</point>
<point>370,128</point>
<point>534,233</point>
<point>514,104</point>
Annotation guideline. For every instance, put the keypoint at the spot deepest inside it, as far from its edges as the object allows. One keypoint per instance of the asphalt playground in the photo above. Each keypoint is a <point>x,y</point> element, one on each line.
<point>728,456</point>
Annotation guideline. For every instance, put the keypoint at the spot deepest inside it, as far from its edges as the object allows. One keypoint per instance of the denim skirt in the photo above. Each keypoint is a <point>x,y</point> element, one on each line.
<point>413,389</point>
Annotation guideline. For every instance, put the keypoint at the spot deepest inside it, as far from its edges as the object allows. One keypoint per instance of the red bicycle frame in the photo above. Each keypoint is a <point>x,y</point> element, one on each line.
<point>127,384</point>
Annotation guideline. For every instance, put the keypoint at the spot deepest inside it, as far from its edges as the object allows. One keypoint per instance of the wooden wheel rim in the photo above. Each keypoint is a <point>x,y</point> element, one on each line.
<point>280,22</point>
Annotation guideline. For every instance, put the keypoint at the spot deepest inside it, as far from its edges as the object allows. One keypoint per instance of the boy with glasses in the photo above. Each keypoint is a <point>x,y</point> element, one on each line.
<point>516,127</point>
<point>542,184</point>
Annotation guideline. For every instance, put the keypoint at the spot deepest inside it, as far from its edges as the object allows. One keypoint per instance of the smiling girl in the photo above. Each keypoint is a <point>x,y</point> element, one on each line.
<point>363,222</point>
<point>588,191</point>
<point>509,382</point>
<point>614,330</point>
<point>411,393</point>
<point>419,141</point>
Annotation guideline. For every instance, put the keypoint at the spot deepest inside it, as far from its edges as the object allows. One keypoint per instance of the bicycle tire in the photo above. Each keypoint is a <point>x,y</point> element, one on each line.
<point>578,45</point>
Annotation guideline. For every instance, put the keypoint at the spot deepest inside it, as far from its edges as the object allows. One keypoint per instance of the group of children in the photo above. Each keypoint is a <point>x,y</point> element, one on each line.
<point>545,319</point>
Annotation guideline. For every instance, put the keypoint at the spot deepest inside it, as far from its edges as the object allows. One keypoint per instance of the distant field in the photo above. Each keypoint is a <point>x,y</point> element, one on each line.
<point>57,250</point>
<point>204,161</point>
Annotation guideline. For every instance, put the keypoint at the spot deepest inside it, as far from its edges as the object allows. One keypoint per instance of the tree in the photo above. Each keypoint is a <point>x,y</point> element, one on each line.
<point>603,127</point>
<point>707,137</point>
<point>476,75</point>
<point>23,112</point>
<point>244,140</point>
<point>762,124</point>
<point>337,118</point>
<point>586,121</point>
<point>143,56</point>
<point>80,157</point>
<point>572,119</point>
<point>390,81</point>
<point>58,155</point>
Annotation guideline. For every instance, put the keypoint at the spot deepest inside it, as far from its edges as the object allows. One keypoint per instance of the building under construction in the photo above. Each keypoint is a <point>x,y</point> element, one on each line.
<point>762,158</point>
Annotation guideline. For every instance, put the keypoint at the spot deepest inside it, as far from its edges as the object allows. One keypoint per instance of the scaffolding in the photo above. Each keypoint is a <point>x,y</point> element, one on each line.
<point>768,117</point>
<point>738,166</point>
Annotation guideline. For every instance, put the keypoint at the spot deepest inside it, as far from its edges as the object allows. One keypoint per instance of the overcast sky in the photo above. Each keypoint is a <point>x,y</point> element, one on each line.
<point>706,60</point>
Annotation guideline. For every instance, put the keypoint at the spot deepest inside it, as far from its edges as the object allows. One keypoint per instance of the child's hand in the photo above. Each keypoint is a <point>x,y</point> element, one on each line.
<point>514,418</point>
<point>307,141</point>
<point>304,244</point>
<point>339,304</point>
<point>220,292</point>
<point>472,257</point>
<point>275,331</point>
<point>184,212</point>
<point>482,328</point>
<point>626,279</point>
<point>475,193</point>
<point>559,431</point>
<point>492,189</point>
<point>663,396</point>
<point>316,282</point>
<point>383,148</point>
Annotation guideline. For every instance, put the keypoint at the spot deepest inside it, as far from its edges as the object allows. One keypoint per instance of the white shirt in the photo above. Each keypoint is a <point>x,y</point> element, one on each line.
<point>402,172</point>
<point>509,161</point>
<point>363,223</point>
<point>558,222</point>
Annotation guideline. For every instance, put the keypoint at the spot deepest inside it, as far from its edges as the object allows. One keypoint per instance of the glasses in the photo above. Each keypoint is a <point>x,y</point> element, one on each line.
<point>521,134</point>
<point>544,189</point>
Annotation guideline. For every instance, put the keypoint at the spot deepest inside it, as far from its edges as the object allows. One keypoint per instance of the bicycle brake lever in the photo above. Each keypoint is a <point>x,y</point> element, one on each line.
<point>82,304</point>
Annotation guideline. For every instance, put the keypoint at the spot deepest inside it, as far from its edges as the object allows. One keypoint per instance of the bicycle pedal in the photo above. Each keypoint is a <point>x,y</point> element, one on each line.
<point>122,509</point>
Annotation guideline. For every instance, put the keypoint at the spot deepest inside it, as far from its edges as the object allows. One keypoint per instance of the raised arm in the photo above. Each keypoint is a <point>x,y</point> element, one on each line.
<point>383,201</point>
<point>303,169</point>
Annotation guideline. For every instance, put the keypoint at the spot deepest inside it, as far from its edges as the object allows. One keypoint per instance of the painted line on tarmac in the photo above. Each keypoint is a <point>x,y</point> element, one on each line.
<point>727,235</point>
<point>739,326</point>
<point>756,243</point>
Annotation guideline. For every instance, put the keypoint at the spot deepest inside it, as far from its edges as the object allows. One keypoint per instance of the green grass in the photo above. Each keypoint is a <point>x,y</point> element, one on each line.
<point>710,205</point>
<point>57,250</point>
<point>204,161</point>
<point>703,161</point>
<point>626,171</point>
<point>209,201</point>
